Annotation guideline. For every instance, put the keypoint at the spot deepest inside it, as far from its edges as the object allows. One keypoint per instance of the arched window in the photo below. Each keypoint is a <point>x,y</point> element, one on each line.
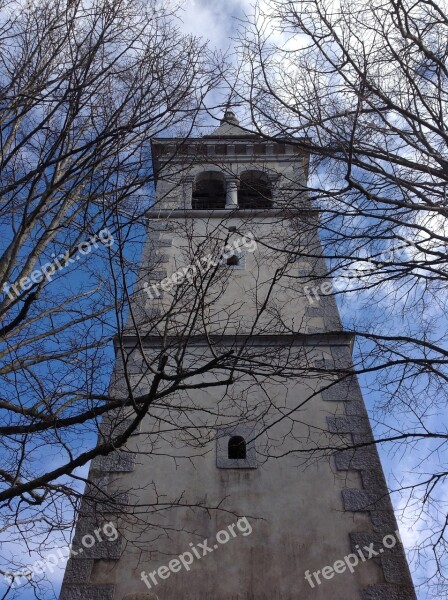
<point>255,190</point>
<point>237,448</point>
<point>209,191</point>
<point>233,260</point>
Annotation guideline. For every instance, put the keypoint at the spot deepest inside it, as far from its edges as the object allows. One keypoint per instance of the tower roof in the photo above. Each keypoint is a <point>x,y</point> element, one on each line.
<point>230,127</point>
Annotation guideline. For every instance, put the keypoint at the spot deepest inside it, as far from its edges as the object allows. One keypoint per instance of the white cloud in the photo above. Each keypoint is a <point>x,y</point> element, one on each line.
<point>214,20</point>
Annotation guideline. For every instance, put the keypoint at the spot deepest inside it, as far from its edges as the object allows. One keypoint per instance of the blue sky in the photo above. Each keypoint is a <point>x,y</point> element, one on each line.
<point>215,21</point>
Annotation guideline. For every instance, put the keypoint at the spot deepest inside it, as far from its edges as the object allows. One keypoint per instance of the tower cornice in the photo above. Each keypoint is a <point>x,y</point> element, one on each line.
<point>190,213</point>
<point>327,339</point>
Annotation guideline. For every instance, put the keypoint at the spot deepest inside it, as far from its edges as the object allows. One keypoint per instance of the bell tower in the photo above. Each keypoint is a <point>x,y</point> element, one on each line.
<point>238,483</point>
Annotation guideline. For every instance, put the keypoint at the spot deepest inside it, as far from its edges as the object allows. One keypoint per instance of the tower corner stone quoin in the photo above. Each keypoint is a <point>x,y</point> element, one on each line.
<point>204,459</point>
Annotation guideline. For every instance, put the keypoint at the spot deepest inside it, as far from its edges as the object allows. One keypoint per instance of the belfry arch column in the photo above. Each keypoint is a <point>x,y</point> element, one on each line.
<point>231,192</point>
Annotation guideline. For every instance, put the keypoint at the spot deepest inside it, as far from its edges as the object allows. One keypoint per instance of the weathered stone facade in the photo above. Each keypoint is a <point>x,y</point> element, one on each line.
<point>305,514</point>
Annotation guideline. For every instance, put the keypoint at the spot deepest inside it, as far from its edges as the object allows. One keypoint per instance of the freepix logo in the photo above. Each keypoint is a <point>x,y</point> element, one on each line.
<point>196,552</point>
<point>106,533</point>
<point>202,265</point>
<point>48,270</point>
<point>351,561</point>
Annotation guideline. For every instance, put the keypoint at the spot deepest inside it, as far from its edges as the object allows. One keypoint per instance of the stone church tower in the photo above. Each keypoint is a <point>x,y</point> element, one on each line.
<point>230,489</point>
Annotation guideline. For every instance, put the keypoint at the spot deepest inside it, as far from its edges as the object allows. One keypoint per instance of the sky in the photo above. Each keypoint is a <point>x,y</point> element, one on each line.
<point>216,21</point>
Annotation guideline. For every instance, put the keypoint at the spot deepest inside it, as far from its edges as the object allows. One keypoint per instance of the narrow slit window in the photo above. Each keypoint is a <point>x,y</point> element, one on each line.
<point>237,448</point>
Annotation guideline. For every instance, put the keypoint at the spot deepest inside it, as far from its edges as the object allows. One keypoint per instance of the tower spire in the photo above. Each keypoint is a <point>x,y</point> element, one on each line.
<point>229,117</point>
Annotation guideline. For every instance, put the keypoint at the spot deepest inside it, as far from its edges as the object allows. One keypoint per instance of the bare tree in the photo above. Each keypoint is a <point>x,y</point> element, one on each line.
<point>362,86</point>
<point>84,89</point>
<point>84,86</point>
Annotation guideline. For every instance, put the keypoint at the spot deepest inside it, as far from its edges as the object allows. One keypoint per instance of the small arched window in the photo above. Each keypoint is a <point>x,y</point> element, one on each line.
<point>233,261</point>
<point>237,448</point>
